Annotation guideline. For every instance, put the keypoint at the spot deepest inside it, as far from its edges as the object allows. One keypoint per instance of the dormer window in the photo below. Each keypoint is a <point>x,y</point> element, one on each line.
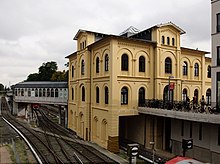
<point>163,40</point>
<point>168,40</point>
<point>173,42</point>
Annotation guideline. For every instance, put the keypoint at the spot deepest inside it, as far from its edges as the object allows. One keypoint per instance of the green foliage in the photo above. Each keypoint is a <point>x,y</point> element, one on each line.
<point>33,77</point>
<point>59,76</point>
<point>48,72</point>
<point>1,87</point>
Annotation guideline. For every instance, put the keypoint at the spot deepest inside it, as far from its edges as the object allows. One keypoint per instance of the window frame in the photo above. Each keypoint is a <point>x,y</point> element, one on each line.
<point>124,96</point>
<point>218,22</point>
<point>209,71</point>
<point>72,71</point>
<point>83,67</point>
<point>97,65</point>
<point>97,95</point>
<point>173,42</point>
<point>141,96</point>
<point>106,62</point>
<point>168,40</point>
<point>185,68</point>
<point>218,55</point>
<point>106,95</point>
<point>208,96</point>
<point>196,69</point>
<point>142,64</point>
<point>83,93</point>
<point>72,93</point>
<point>168,65</point>
<point>163,40</point>
<point>124,62</point>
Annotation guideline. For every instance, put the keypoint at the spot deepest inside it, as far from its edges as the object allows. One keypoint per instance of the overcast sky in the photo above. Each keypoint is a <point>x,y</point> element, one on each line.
<point>36,31</point>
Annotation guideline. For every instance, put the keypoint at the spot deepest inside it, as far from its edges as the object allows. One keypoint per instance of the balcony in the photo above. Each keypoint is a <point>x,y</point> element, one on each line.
<point>181,110</point>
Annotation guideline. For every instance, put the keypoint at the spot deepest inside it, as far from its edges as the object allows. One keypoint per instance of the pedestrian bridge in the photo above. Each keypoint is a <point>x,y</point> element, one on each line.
<point>42,92</point>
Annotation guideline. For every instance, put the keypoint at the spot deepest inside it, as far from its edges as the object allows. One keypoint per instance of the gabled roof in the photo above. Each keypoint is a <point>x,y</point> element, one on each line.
<point>171,24</point>
<point>84,31</point>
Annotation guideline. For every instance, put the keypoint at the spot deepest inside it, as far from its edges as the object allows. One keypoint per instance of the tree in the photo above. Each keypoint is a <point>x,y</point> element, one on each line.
<point>47,70</point>
<point>59,76</point>
<point>1,87</point>
<point>33,77</point>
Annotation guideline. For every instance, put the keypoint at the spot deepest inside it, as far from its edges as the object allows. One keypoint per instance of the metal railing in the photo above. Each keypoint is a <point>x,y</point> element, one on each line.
<point>181,106</point>
<point>50,100</point>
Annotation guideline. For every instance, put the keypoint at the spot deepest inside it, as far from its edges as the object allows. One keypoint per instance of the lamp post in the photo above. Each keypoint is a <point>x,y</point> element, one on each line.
<point>169,97</point>
<point>181,91</point>
<point>152,143</point>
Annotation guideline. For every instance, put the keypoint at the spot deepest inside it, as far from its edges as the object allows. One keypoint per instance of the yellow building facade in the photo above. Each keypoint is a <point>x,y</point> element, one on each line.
<point>110,75</point>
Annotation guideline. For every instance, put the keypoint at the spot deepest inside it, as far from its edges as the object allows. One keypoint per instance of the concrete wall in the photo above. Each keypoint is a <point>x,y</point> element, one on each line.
<point>206,149</point>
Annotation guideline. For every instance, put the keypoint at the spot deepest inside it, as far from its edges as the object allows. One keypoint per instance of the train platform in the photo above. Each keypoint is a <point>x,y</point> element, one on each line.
<point>115,157</point>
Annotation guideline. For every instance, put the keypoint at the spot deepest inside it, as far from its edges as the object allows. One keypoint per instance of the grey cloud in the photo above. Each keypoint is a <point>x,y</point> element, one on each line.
<point>33,32</point>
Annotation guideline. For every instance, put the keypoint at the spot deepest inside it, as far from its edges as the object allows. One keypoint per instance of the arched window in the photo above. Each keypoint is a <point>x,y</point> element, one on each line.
<point>16,92</point>
<point>97,94</point>
<point>185,68</point>
<point>196,95</point>
<point>72,94</point>
<point>184,94</point>
<point>163,40</point>
<point>29,92</point>
<point>72,71</point>
<point>141,96</point>
<point>208,96</point>
<point>196,69</point>
<point>22,92</point>
<point>52,92</point>
<point>168,40</point>
<point>141,64</point>
<point>209,72</point>
<point>103,129</point>
<point>124,96</point>
<point>97,65</point>
<point>40,92</point>
<point>95,124</point>
<point>82,67</point>
<point>124,62</point>
<point>36,92</point>
<point>106,95</point>
<point>106,62</point>
<point>168,65</point>
<point>44,92</point>
<point>83,93</point>
<point>48,92</point>
<point>56,92</point>
<point>173,41</point>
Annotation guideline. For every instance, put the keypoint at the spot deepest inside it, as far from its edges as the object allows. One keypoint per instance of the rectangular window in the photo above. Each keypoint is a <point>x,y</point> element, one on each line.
<point>182,128</point>
<point>218,89</point>
<point>72,71</point>
<point>218,56</point>
<point>200,131</point>
<point>218,22</point>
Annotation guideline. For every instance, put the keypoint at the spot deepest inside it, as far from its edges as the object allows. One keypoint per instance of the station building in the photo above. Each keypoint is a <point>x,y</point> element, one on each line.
<point>109,75</point>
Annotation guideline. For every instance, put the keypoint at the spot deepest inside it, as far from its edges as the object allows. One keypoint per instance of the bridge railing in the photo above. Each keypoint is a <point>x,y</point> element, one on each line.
<point>49,100</point>
<point>181,106</point>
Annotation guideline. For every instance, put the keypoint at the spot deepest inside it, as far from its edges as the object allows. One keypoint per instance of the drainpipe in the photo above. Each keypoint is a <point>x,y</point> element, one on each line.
<point>90,101</point>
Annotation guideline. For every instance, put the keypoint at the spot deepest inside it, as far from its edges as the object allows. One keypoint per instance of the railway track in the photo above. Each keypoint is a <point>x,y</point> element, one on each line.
<point>83,153</point>
<point>52,147</point>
